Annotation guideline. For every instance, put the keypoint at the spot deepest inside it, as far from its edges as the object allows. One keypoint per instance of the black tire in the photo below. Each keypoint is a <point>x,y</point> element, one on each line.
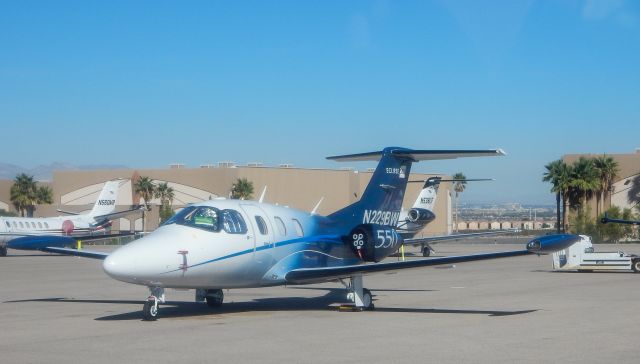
<point>3,251</point>
<point>426,252</point>
<point>214,297</point>
<point>367,299</point>
<point>635,265</point>
<point>150,311</point>
<point>585,270</point>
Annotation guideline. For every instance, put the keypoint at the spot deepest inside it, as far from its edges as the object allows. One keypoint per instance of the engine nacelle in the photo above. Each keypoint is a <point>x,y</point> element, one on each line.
<point>420,216</point>
<point>373,243</point>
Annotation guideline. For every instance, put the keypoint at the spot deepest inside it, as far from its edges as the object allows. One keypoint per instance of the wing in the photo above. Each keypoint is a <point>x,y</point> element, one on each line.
<point>77,253</point>
<point>41,242</point>
<point>311,275</point>
<point>430,239</point>
<point>539,245</point>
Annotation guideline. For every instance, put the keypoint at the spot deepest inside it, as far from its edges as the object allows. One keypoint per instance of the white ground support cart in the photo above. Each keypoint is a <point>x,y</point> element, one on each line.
<point>582,257</point>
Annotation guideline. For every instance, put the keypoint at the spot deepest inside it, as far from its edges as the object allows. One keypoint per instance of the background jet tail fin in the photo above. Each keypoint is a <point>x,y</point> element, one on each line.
<point>427,198</point>
<point>106,202</point>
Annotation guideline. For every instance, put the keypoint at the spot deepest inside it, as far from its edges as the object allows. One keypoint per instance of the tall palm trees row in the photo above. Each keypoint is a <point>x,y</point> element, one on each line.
<point>574,184</point>
<point>26,194</point>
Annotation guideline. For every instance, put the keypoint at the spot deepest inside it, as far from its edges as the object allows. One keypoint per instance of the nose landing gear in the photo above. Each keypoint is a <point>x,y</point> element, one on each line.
<point>150,308</point>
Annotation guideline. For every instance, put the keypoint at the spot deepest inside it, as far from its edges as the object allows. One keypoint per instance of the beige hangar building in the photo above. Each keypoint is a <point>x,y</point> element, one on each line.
<point>301,188</point>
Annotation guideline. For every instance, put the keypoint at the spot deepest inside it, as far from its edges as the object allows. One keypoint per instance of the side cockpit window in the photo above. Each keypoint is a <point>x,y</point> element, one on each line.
<point>298,227</point>
<point>281,228</point>
<point>233,223</point>
<point>262,225</point>
<point>202,217</point>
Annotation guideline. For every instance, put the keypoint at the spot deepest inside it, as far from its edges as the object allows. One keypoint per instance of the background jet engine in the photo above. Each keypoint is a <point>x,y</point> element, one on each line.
<point>420,216</point>
<point>373,243</point>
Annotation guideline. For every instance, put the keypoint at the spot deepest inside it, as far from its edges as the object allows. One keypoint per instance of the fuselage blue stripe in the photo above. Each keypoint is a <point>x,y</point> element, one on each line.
<point>306,239</point>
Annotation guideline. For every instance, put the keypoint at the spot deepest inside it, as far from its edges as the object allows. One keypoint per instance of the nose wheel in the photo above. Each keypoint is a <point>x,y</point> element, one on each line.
<point>150,308</point>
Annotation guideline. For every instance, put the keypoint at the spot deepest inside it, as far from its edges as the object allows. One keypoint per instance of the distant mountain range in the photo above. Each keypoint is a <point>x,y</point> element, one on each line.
<point>45,172</point>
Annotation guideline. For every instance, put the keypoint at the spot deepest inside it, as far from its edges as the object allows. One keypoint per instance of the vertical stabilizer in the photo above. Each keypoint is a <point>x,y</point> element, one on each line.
<point>106,202</point>
<point>382,199</point>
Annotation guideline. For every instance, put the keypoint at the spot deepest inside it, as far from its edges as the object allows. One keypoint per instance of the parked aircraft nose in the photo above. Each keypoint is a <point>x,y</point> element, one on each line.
<point>119,265</point>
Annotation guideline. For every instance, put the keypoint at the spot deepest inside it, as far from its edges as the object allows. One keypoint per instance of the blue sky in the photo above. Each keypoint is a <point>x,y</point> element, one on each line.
<point>147,83</point>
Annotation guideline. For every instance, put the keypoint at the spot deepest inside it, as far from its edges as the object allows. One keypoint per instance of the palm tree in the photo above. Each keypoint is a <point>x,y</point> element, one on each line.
<point>146,189</point>
<point>558,174</point>
<point>608,170</point>
<point>23,193</point>
<point>44,195</point>
<point>584,182</point>
<point>633,194</point>
<point>242,189</point>
<point>166,196</point>
<point>458,187</point>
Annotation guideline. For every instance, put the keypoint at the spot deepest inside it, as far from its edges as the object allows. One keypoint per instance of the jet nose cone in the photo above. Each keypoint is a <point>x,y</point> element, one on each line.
<point>119,266</point>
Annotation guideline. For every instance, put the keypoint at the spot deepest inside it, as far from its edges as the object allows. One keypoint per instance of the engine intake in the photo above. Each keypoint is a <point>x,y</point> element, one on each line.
<point>421,216</point>
<point>373,243</point>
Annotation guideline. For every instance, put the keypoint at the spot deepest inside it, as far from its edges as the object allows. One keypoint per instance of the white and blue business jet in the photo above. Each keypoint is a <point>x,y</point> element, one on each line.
<point>222,244</point>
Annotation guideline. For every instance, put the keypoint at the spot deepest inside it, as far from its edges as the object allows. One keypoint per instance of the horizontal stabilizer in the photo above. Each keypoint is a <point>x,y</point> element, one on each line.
<point>118,214</point>
<point>456,180</point>
<point>420,155</point>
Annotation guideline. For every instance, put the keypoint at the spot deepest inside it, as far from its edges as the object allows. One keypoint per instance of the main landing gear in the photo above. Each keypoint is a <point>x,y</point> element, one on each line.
<point>360,296</point>
<point>426,250</point>
<point>3,251</point>
<point>214,297</point>
<point>150,308</point>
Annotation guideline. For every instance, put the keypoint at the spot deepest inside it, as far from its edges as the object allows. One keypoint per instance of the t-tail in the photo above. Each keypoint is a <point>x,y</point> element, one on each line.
<point>381,201</point>
<point>106,202</point>
<point>427,198</point>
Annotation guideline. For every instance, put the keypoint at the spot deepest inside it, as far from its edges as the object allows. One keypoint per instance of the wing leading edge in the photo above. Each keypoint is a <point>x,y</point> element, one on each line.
<point>310,275</point>
<point>540,245</point>
<point>77,253</point>
<point>429,239</point>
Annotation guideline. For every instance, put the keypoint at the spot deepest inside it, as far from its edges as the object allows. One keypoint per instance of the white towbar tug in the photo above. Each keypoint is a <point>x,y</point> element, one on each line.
<point>582,257</point>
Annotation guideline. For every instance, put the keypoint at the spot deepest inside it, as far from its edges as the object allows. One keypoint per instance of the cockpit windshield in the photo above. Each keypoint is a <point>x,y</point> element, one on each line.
<point>210,219</point>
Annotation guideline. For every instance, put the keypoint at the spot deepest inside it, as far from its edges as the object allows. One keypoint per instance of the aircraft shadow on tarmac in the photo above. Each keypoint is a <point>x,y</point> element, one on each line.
<point>273,304</point>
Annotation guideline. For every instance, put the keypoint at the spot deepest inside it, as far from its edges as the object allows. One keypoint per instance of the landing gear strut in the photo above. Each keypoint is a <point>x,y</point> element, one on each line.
<point>360,296</point>
<point>3,251</point>
<point>214,297</point>
<point>150,308</point>
<point>426,250</point>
